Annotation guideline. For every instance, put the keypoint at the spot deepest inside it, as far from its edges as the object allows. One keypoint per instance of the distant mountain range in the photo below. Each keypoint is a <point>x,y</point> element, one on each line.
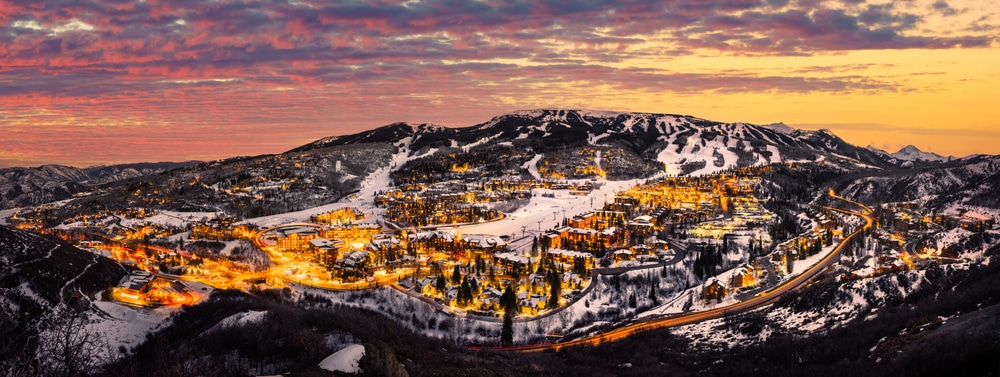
<point>46,183</point>
<point>909,155</point>
<point>682,144</point>
<point>675,140</point>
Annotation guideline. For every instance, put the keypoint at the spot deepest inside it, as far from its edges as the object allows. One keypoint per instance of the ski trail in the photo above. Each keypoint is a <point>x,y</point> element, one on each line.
<point>13,268</point>
<point>62,291</point>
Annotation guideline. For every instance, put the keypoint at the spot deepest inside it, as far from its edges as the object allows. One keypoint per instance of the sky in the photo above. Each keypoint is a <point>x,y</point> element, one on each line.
<point>85,82</point>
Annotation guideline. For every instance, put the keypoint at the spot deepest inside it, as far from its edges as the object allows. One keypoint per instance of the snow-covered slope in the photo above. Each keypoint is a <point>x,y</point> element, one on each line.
<point>48,183</point>
<point>911,154</point>
<point>971,181</point>
<point>685,144</point>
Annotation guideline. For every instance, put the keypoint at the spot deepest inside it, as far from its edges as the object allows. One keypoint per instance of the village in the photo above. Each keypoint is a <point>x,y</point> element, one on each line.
<point>414,240</point>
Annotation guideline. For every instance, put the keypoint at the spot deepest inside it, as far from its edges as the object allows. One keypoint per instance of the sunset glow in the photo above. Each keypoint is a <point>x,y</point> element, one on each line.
<point>85,82</point>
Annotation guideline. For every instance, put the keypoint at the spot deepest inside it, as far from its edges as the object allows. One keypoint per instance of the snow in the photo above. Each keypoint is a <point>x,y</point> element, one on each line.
<point>4,214</point>
<point>345,360</point>
<point>532,166</point>
<point>121,326</point>
<point>171,218</point>
<point>541,208</point>
<point>780,127</point>
<point>240,320</point>
<point>911,153</point>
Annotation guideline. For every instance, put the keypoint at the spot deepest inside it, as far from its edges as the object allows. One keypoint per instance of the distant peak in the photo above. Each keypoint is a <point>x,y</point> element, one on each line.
<point>912,153</point>
<point>780,127</point>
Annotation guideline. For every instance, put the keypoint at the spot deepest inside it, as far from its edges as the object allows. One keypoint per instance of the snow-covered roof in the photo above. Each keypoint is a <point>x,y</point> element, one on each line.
<point>570,253</point>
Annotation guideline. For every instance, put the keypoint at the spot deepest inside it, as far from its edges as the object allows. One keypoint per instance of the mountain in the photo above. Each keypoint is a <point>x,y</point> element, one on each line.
<point>780,127</point>
<point>47,183</point>
<point>971,181</point>
<point>47,286</point>
<point>911,154</point>
<point>686,145</point>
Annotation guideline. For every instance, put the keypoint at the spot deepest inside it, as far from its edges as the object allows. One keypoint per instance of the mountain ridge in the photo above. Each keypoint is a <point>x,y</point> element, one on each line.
<point>645,133</point>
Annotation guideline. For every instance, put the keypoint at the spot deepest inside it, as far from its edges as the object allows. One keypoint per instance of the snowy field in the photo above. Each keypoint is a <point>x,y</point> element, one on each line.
<point>122,328</point>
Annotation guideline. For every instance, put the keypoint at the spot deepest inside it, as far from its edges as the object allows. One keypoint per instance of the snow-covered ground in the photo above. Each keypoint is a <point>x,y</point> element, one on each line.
<point>4,214</point>
<point>850,302</point>
<point>121,327</point>
<point>345,360</point>
<point>241,319</point>
<point>171,218</point>
<point>543,213</point>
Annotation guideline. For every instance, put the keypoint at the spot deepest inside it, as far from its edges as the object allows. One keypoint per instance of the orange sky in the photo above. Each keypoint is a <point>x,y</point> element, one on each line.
<point>86,82</point>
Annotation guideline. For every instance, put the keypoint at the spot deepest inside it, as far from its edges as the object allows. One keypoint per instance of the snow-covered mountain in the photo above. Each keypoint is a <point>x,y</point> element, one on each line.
<point>911,154</point>
<point>683,143</point>
<point>27,186</point>
<point>970,181</point>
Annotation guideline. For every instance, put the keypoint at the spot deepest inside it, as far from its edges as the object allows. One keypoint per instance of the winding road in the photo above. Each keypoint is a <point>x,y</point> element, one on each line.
<point>765,298</point>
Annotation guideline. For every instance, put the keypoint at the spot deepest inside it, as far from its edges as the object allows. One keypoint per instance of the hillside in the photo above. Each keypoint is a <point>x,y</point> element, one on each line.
<point>683,144</point>
<point>46,285</point>
<point>242,186</point>
<point>973,181</point>
<point>49,183</point>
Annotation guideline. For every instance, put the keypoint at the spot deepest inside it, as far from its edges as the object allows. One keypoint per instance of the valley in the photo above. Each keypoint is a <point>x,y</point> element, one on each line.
<point>540,231</point>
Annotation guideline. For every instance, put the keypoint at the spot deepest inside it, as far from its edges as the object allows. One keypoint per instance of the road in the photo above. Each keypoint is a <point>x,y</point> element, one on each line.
<point>766,298</point>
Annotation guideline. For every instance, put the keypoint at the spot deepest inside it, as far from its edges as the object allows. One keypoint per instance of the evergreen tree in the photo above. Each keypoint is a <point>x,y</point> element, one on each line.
<point>555,289</point>
<point>465,294</point>
<point>441,284</point>
<point>631,301</point>
<point>507,330</point>
<point>508,300</point>
<point>456,276</point>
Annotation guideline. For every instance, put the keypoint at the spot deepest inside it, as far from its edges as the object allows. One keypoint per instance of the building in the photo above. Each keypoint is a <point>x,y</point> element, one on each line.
<point>714,291</point>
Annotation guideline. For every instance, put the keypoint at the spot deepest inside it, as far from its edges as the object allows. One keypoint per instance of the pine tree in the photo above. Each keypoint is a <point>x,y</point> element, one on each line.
<point>507,330</point>
<point>555,289</point>
<point>631,301</point>
<point>456,276</point>
<point>508,300</point>
<point>441,284</point>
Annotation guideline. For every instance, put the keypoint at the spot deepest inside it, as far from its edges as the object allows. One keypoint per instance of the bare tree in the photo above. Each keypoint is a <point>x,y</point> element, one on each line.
<point>65,348</point>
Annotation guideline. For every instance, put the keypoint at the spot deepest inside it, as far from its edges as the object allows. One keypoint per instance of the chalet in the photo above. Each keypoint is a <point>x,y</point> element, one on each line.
<point>426,286</point>
<point>623,255</point>
<point>530,303</point>
<point>744,277</point>
<point>571,281</point>
<point>556,237</point>
<point>489,299</point>
<point>714,290</point>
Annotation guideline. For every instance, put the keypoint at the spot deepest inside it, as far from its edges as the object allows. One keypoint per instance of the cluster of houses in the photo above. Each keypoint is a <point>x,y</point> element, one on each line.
<point>338,217</point>
<point>907,216</point>
<point>221,229</point>
<point>531,291</point>
<point>443,206</point>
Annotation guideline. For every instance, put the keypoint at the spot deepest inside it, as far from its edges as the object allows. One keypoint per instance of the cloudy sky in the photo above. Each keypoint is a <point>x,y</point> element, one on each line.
<point>86,82</point>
